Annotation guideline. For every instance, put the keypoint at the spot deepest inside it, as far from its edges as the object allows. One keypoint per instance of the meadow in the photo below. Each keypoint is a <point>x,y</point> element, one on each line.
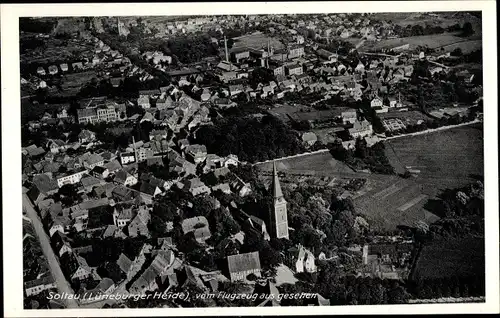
<point>446,159</point>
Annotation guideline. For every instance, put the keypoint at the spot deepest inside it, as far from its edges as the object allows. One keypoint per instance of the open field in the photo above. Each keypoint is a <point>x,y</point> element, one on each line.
<point>315,164</point>
<point>389,201</point>
<point>446,159</point>
<point>446,258</point>
<point>257,41</point>
<point>433,41</point>
<point>466,47</point>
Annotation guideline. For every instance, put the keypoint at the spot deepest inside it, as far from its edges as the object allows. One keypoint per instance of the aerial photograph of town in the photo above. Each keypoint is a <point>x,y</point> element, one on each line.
<point>252,160</point>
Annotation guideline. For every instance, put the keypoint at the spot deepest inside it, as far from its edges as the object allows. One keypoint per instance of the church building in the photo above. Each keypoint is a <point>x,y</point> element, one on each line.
<point>279,217</point>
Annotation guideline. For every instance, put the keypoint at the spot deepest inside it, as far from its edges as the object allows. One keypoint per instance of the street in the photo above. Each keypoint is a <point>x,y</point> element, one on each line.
<point>61,282</point>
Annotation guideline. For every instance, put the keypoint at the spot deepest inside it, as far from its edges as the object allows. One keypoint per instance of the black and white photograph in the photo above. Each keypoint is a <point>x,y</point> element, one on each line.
<point>267,159</point>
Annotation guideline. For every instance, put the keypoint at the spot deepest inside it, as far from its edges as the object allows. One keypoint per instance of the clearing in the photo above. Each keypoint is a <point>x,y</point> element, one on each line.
<point>433,41</point>
<point>446,159</point>
<point>257,40</point>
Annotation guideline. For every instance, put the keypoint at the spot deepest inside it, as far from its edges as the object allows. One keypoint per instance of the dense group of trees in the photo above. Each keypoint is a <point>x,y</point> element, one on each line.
<point>416,29</point>
<point>251,139</point>
<point>36,25</point>
<point>363,157</point>
<point>457,286</point>
<point>342,289</point>
<point>461,211</point>
<point>433,91</point>
<point>192,48</point>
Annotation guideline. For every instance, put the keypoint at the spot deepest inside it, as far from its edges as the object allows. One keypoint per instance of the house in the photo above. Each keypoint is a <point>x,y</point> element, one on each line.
<point>124,178</point>
<point>361,129</point>
<point>327,55</point>
<point>435,70</point>
<point>91,160</point>
<point>100,172</point>
<point>139,224</point>
<point>197,153</point>
<point>40,71</point>
<point>77,66</point>
<point>349,116</point>
<point>71,177</point>
<point>124,263</point>
<point>53,70</point>
<point>235,89</point>
<point>230,160</point>
<point>224,187</point>
<point>229,76</point>
<point>408,69</point>
<point>371,140</point>
<point>294,69</point>
<point>309,138</point>
<point>254,223</point>
<point>127,157</point>
<point>240,187</point>
<point>239,54</point>
<point>149,189</point>
<point>105,286</point>
<point>380,260</point>
<point>242,265</point>
<point>122,216</point>
<point>61,243</point>
<point>56,145</point>
<point>196,187</point>
<point>64,67</point>
<point>113,166</point>
<point>77,267</point>
<point>149,279</point>
<point>199,226</point>
<point>376,102</point>
<point>143,101</point>
<point>36,286</point>
<point>295,51</point>
<point>302,260</point>
<point>86,136</point>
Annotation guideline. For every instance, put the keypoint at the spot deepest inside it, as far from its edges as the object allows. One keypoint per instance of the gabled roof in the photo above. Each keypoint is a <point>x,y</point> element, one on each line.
<point>124,263</point>
<point>277,193</point>
<point>243,262</point>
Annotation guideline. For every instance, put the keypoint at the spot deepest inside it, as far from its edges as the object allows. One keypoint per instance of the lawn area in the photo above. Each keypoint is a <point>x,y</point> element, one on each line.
<point>466,47</point>
<point>432,41</point>
<point>316,164</point>
<point>257,40</point>
<point>387,202</point>
<point>446,159</point>
<point>446,258</point>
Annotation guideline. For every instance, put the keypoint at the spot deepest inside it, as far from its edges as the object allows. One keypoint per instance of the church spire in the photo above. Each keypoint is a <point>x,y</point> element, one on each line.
<point>276,183</point>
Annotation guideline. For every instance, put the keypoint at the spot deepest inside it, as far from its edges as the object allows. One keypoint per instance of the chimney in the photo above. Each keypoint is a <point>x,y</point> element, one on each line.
<point>135,151</point>
<point>225,46</point>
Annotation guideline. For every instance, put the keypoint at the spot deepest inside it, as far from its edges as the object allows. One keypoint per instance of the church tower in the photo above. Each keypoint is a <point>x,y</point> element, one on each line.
<point>279,217</point>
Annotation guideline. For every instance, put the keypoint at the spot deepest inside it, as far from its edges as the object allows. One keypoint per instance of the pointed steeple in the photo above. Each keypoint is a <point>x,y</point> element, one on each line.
<point>276,183</point>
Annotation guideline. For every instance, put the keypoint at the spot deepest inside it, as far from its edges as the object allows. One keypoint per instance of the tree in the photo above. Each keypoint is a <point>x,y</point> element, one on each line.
<point>456,52</point>
<point>467,29</point>
<point>361,148</point>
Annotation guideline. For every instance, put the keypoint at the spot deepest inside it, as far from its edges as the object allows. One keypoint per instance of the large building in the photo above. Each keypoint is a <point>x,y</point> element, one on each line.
<point>97,115</point>
<point>279,217</point>
<point>242,265</point>
<point>294,69</point>
<point>296,51</point>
